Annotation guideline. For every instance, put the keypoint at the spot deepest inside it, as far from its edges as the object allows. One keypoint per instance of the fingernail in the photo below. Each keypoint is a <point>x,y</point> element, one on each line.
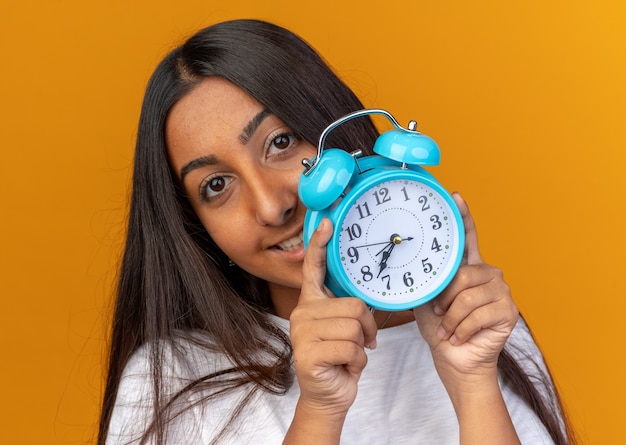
<point>437,309</point>
<point>441,332</point>
<point>453,340</point>
<point>372,345</point>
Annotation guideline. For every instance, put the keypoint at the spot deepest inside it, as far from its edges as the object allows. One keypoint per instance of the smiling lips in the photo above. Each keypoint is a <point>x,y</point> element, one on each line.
<point>292,243</point>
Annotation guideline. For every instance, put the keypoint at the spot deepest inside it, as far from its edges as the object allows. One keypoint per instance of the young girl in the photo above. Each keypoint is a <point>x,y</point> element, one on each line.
<point>223,329</point>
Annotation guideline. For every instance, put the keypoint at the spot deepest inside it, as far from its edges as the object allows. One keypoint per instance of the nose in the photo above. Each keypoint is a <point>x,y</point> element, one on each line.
<point>274,197</point>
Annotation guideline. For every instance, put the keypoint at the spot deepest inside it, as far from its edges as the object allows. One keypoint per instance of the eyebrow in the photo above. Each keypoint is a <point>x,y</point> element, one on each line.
<point>195,164</point>
<point>244,138</point>
<point>254,123</point>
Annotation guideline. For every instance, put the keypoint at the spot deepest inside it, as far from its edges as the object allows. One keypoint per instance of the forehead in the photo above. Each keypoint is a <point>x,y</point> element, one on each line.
<point>213,114</point>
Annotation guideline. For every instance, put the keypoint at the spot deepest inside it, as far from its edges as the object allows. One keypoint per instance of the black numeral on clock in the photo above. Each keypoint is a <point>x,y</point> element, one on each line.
<point>436,222</point>
<point>382,195</point>
<point>408,279</point>
<point>388,279</point>
<point>364,210</point>
<point>353,253</point>
<point>367,273</point>
<point>406,195</point>
<point>354,231</point>
<point>426,266</point>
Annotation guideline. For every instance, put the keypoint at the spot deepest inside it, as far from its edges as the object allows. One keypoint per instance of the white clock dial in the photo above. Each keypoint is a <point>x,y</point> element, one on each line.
<point>398,241</point>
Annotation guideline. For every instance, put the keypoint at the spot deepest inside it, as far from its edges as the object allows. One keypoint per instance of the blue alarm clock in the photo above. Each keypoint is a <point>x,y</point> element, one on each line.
<point>398,236</point>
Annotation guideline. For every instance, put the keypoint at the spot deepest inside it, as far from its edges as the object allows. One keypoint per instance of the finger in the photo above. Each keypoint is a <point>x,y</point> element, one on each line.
<point>328,354</point>
<point>472,253</point>
<point>313,288</point>
<point>329,329</point>
<point>334,314</point>
<point>473,299</point>
<point>467,277</point>
<point>314,266</point>
<point>497,317</point>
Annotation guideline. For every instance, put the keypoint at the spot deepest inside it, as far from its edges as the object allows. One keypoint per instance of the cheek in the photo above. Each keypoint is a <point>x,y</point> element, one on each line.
<point>232,235</point>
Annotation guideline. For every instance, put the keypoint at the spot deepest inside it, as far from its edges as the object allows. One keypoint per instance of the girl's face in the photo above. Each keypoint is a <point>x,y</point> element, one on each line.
<point>240,165</point>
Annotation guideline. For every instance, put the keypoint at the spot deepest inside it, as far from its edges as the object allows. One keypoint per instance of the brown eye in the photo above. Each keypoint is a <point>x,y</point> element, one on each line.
<point>217,184</point>
<point>283,141</point>
<point>212,187</point>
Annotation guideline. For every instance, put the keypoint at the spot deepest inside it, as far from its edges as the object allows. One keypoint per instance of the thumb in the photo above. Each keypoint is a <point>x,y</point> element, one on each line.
<point>314,266</point>
<point>472,253</point>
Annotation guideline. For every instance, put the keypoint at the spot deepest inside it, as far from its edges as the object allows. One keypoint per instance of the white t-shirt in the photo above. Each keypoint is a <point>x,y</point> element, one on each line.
<point>401,399</point>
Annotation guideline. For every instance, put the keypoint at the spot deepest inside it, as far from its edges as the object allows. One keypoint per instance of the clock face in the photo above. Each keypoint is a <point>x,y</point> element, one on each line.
<point>400,243</point>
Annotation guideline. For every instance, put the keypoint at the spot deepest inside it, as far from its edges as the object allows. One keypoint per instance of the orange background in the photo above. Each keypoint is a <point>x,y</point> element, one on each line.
<point>527,101</point>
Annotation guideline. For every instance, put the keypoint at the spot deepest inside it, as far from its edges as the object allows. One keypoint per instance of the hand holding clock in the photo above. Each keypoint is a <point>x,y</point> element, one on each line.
<point>463,307</point>
<point>466,327</point>
<point>328,336</point>
<point>469,322</point>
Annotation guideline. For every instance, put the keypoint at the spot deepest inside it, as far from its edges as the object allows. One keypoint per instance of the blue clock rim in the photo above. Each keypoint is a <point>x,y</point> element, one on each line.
<point>336,279</point>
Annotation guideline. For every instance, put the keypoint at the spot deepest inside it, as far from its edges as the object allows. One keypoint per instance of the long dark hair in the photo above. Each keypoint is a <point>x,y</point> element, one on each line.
<point>173,279</point>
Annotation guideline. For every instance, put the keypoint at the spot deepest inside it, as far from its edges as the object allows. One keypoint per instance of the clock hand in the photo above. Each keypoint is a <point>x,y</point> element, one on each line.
<point>374,244</point>
<point>385,257</point>
<point>394,240</point>
<point>388,245</point>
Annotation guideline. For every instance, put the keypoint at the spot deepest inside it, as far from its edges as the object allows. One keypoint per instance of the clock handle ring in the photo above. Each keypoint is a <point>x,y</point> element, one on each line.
<point>309,164</point>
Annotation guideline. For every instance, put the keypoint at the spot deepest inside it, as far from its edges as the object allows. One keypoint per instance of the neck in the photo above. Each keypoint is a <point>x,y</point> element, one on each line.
<point>284,300</point>
<point>390,319</point>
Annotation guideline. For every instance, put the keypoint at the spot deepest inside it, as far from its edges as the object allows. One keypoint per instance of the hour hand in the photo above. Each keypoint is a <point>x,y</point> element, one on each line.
<point>383,261</point>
